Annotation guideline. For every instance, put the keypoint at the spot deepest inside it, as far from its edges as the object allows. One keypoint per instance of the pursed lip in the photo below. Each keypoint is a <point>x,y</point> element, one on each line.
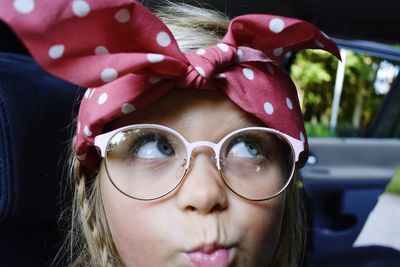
<point>210,255</point>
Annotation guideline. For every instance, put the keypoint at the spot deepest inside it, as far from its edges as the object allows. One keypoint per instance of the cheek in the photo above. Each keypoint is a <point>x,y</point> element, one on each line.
<point>260,225</point>
<point>133,224</point>
<point>136,226</point>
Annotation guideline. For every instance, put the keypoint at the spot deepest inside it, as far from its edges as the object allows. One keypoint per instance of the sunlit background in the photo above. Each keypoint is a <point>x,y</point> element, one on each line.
<point>367,80</point>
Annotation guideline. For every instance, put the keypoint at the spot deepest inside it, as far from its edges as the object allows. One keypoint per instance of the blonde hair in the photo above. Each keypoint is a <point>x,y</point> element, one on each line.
<point>89,241</point>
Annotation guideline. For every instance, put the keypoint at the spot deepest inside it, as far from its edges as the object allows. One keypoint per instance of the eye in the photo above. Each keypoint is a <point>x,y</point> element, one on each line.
<point>243,148</point>
<point>154,148</point>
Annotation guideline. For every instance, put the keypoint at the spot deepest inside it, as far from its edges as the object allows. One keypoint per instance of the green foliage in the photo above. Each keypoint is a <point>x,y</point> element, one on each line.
<point>319,130</point>
<point>394,184</point>
<point>314,74</point>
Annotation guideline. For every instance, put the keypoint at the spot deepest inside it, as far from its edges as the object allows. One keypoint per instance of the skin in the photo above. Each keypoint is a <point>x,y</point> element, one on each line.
<point>201,210</point>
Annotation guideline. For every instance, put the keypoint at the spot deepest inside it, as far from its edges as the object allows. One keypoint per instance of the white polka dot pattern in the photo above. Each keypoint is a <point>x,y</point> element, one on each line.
<point>248,73</point>
<point>289,103</point>
<point>201,71</point>
<point>278,51</point>
<point>91,93</point>
<point>163,39</point>
<point>87,131</point>
<point>56,51</point>
<point>87,93</point>
<point>223,47</point>
<point>109,74</point>
<point>123,16</point>
<point>240,64</point>
<point>220,76</point>
<point>102,98</point>
<point>80,8</point>
<point>239,54</point>
<point>268,108</point>
<point>276,25</point>
<point>155,58</point>
<point>302,138</point>
<point>101,50</point>
<point>201,51</point>
<point>127,108</point>
<point>24,6</point>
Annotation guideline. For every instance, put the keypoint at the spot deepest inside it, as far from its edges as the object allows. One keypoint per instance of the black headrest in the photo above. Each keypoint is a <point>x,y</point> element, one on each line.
<point>35,112</point>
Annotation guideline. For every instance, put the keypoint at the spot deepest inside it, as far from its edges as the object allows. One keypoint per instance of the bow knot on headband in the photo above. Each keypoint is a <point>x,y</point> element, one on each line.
<point>207,65</point>
<point>128,58</point>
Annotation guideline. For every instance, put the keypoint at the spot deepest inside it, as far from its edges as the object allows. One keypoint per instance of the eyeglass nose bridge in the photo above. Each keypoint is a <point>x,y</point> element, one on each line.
<point>215,147</point>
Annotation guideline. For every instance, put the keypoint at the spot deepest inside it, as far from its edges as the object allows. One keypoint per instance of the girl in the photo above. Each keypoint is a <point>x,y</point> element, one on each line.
<point>188,137</point>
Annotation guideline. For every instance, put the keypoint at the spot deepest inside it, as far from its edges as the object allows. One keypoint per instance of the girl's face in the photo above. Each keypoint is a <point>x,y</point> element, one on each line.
<point>201,223</point>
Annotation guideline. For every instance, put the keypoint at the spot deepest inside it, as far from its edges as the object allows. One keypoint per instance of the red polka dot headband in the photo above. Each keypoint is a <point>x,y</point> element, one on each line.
<point>128,59</point>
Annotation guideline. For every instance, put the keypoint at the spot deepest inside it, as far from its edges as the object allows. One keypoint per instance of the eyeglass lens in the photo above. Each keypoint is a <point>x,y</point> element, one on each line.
<point>147,163</point>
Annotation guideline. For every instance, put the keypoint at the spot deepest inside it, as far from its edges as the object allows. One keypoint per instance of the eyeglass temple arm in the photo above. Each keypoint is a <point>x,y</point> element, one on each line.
<point>298,146</point>
<point>100,142</point>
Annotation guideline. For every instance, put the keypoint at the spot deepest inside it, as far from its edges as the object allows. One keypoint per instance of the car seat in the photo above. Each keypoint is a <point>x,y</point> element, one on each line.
<point>35,112</point>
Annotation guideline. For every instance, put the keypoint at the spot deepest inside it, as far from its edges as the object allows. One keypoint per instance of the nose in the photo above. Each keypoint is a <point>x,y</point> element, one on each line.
<point>203,190</point>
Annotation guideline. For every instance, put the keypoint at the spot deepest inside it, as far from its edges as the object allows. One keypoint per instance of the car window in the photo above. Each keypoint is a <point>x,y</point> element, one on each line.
<point>344,99</point>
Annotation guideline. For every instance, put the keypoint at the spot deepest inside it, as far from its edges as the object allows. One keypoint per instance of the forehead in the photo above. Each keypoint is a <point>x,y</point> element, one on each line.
<point>196,114</point>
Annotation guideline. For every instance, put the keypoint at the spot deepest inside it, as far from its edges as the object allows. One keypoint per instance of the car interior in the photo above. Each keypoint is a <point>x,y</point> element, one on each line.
<point>343,178</point>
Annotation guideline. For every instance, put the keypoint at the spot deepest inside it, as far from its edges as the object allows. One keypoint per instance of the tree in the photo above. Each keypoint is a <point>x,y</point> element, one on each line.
<point>314,74</point>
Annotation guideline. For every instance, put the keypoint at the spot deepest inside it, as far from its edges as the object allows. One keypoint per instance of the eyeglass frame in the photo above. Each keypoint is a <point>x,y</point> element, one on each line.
<point>102,141</point>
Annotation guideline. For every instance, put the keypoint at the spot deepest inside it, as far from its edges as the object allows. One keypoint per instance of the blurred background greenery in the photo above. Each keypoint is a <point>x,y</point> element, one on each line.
<point>367,80</point>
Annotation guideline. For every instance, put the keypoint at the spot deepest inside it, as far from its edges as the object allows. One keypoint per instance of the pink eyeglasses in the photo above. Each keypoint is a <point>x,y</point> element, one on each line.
<point>149,161</point>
